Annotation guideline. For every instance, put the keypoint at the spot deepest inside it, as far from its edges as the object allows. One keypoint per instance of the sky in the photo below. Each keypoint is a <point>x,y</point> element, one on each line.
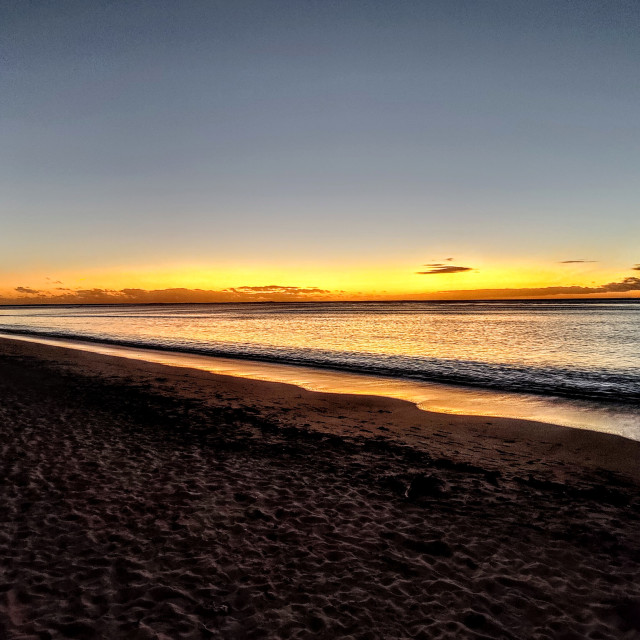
<point>318,150</point>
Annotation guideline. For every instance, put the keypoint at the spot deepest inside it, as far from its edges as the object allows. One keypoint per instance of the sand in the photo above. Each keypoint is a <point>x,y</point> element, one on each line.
<point>145,501</point>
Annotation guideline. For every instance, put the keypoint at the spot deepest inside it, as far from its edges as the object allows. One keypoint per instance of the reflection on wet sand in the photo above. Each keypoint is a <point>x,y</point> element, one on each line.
<point>428,396</point>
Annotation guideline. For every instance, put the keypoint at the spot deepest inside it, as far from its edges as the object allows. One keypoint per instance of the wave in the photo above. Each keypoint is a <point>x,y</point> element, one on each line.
<point>604,385</point>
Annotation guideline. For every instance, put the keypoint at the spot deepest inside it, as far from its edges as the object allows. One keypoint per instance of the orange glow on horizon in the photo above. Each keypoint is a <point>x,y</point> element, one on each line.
<point>206,283</point>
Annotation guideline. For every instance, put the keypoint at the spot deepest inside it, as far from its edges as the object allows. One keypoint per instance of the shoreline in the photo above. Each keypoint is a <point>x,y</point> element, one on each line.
<point>428,396</point>
<point>410,425</point>
<point>152,502</point>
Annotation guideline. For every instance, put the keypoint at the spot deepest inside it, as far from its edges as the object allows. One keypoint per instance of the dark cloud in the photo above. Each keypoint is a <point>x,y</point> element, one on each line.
<point>625,286</point>
<point>437,268</point>
<point>636,267</point>
<point>274,288</point>
<point>628,284</point>
<point>278,293</point>
<point>63,295</point>
<point>27,290</point>
<point>575,261</point>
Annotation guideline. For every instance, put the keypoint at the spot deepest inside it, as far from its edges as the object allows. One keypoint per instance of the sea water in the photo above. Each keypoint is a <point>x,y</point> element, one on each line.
<point>582,351</point>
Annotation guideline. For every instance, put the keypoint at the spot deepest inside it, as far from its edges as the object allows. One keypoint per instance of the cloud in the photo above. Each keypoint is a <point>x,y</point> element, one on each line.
<point>280,293</point>
<point>575,261</point>
<point>274,288</point>
<point>628,284</point>
<point>438,268</point>
<point>27,290</point>
<point>625,286</point>
<point>636,267</point>
<point>268,293</point>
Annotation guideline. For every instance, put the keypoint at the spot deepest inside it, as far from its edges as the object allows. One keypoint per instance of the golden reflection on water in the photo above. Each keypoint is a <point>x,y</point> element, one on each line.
<point>536,335</point>
<point>427,396</point>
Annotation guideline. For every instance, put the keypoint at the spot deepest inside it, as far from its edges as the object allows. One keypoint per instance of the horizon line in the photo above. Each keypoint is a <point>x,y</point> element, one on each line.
<point>311,302</point>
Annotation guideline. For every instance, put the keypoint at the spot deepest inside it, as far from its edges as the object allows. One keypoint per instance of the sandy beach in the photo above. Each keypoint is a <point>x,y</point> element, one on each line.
<point>146,501</point>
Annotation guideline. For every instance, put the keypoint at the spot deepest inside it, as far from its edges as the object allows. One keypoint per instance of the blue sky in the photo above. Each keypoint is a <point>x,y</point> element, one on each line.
<point>242,140</point>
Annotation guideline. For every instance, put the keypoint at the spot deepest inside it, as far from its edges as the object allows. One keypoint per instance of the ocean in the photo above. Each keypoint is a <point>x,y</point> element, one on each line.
<point>579,350</point>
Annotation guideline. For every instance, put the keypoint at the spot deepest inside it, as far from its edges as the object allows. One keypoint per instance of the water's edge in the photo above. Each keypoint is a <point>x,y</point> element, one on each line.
<point>429,396</point>
<point>468,381</point>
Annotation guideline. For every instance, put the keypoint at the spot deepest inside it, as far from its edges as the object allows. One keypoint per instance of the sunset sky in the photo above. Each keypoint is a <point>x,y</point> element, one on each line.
<point>229,150</point>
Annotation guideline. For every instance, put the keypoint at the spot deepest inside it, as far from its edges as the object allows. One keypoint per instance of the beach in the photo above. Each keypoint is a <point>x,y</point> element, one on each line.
<point>146,501</point>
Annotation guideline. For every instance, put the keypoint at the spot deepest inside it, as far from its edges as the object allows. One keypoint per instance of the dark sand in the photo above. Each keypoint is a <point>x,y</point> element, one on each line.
<point>144,501</point>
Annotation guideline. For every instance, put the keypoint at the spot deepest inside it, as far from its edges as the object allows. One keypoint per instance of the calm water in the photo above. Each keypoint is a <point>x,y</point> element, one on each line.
<point>581,350</point>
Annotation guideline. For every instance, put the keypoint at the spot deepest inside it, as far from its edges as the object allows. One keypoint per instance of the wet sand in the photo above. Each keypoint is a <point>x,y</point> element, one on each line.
<point>146,501</point>
<point>622,420</point>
